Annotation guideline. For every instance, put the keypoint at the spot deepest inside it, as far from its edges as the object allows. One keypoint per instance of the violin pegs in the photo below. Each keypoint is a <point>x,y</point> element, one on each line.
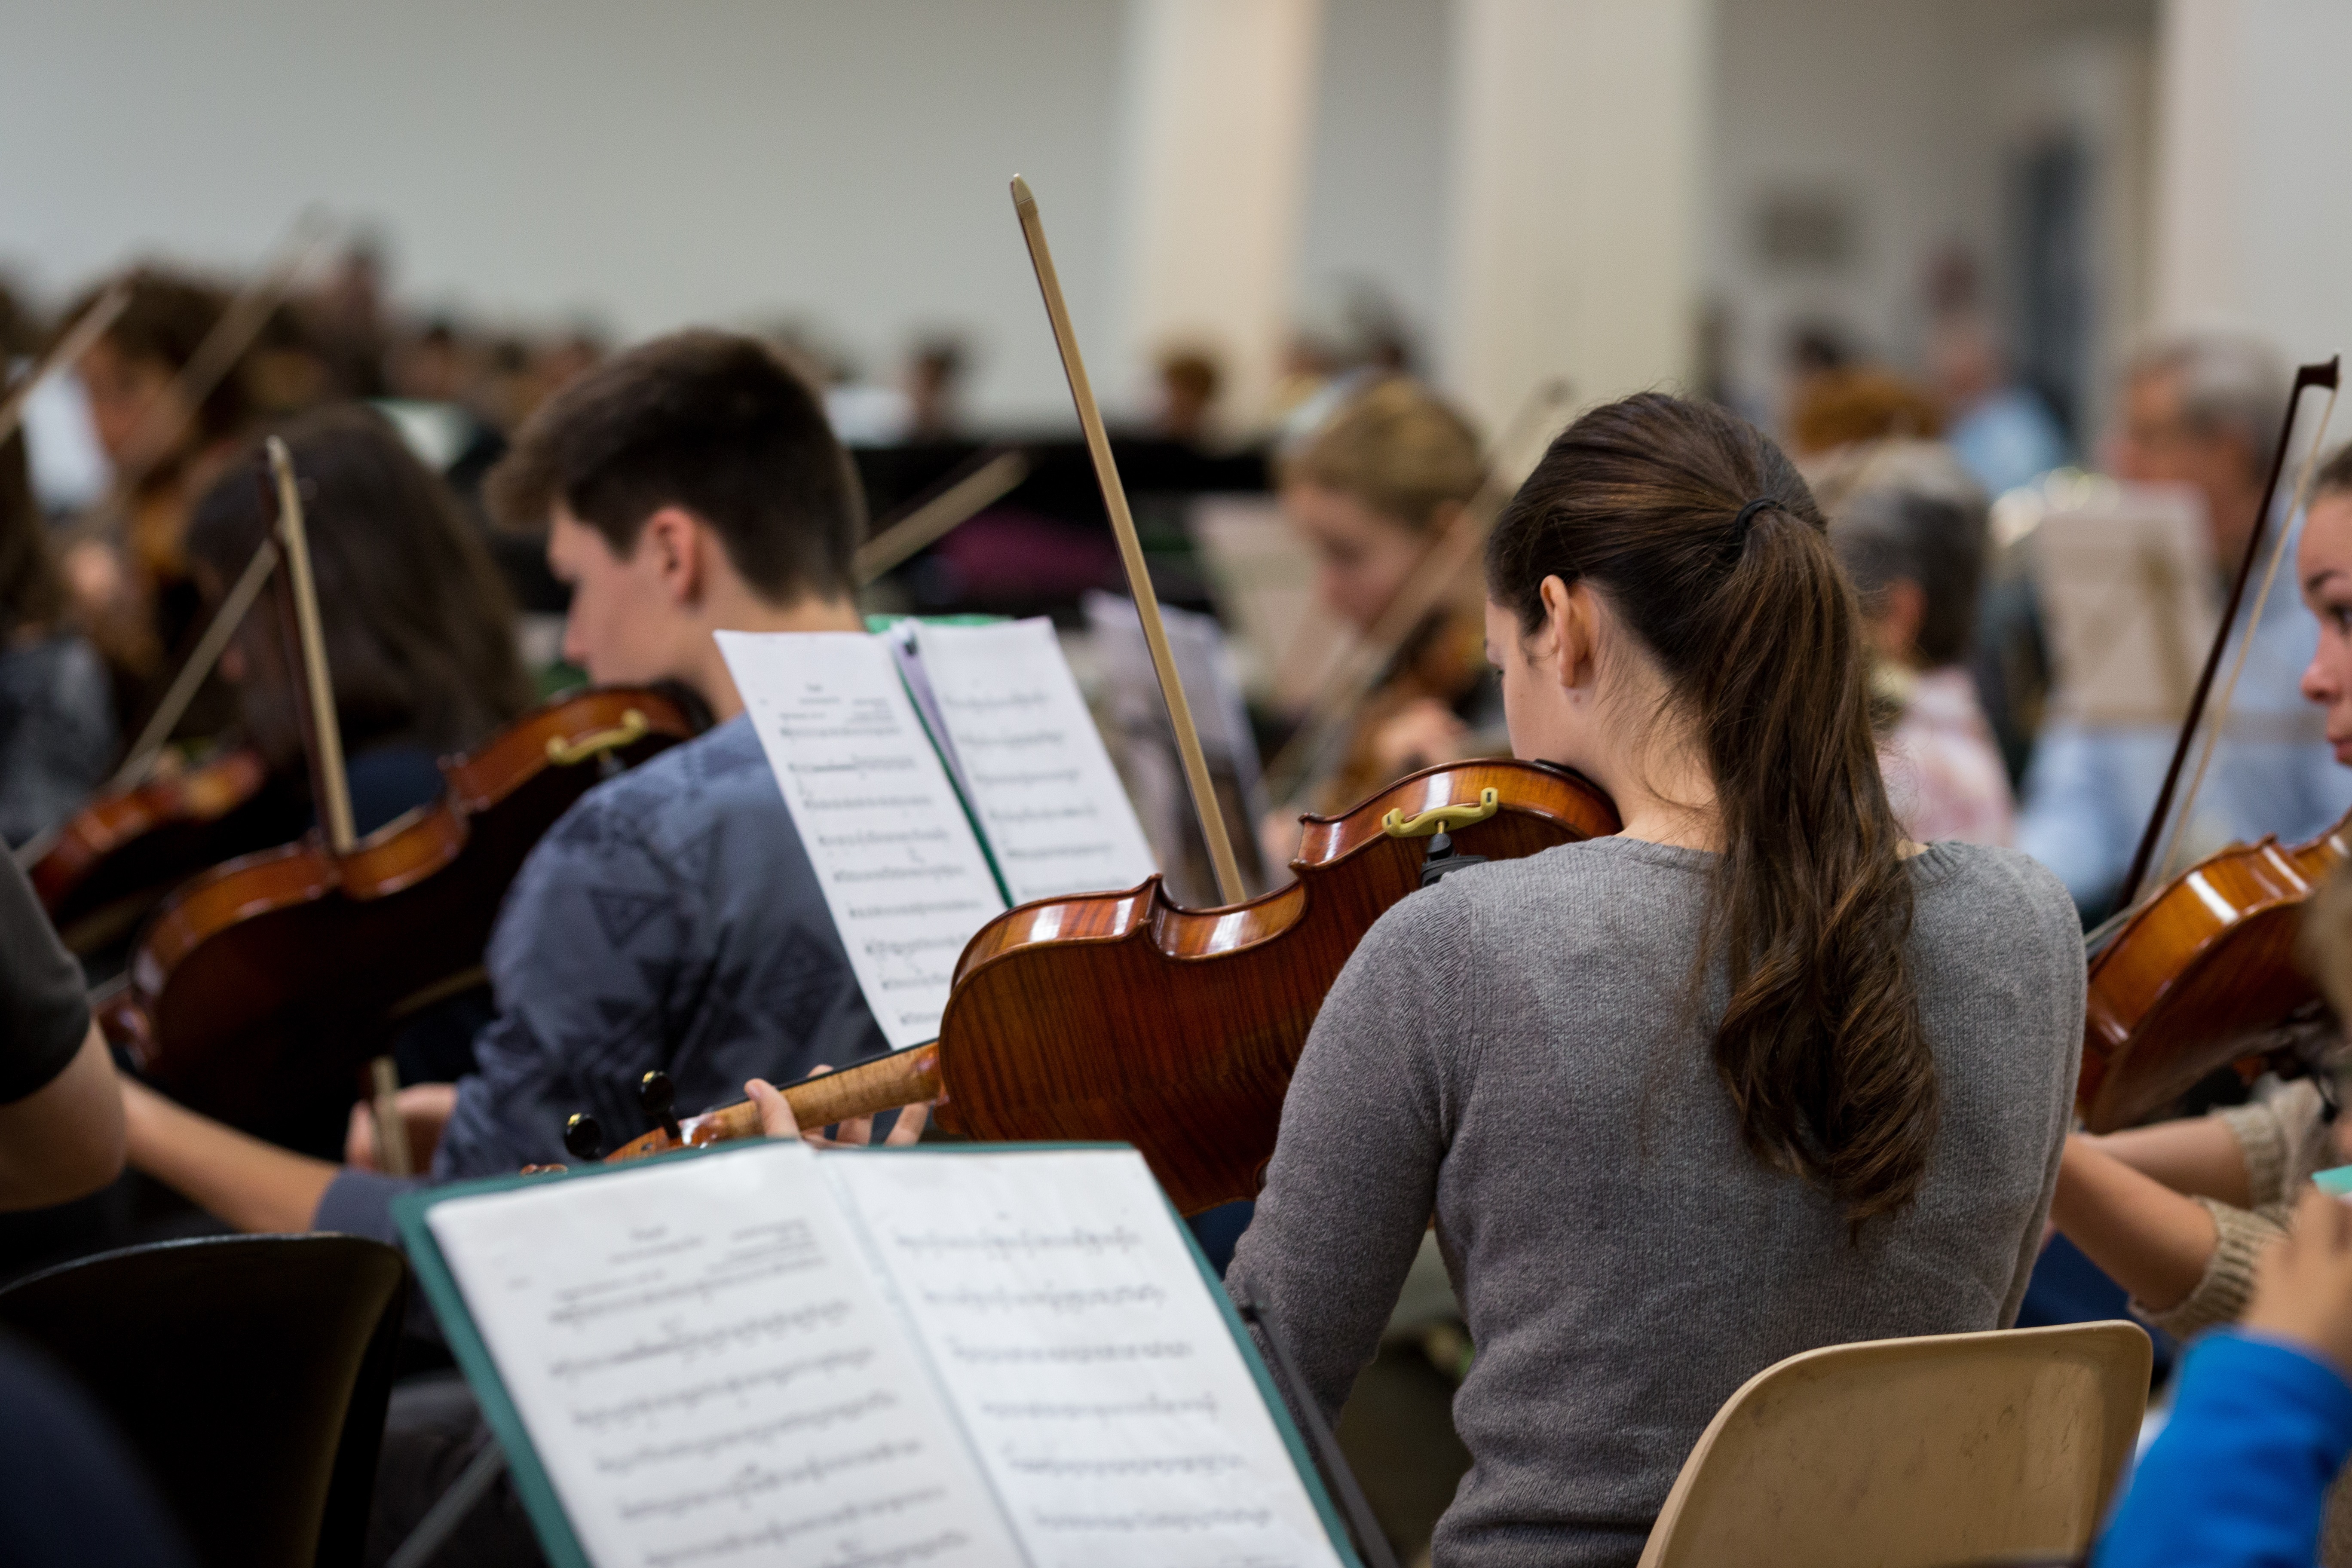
<point>659,1098</point>
<point>583,1137</point>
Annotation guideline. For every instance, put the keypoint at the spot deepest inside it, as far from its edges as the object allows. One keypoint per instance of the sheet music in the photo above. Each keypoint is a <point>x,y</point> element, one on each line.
<point>710,1373</point>
<point>902,873</point>
<point>1078,1343</point>
<point>1039,781</point>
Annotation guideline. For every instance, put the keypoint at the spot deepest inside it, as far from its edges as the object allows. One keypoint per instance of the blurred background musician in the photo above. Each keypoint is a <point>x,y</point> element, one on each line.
<point>2178,1213</point>
<point>57,712</point>
<point>1371,490</point>
<point>419,629</point>
<point>670,918</point>
<point>2202,412</point>
<point>1908,523</point>
<point>131,581</point>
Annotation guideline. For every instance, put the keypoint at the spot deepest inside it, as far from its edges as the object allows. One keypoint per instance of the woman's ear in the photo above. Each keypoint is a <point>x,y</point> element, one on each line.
<point>1572,624</point>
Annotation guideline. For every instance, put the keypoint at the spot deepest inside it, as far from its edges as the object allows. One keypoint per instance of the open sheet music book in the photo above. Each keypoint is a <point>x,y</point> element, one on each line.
<point>937,774</point>
<point>764,1354</point>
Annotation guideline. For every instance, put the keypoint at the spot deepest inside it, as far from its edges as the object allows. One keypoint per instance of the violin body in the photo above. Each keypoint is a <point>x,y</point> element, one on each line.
<point>114,860</point>
<point>1120,1017</point>
<point>2199,976</point>
<point>256,990</point>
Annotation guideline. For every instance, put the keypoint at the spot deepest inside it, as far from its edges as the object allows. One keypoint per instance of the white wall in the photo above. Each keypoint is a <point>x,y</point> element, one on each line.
<point>2252,221</point>
<point>648,165</point>
<point>1908,108</point>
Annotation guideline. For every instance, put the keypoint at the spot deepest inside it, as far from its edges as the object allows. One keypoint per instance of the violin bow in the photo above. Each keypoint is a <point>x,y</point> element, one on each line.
<point>2295,504</point>
<point>172,410</point>
<point>2307,376</point>
<point>67,351</point>
<point>1230,886</point>
<point>328,777</point>
<point>1295,767</point>
<point>983,484</point>
<point>199,664</point>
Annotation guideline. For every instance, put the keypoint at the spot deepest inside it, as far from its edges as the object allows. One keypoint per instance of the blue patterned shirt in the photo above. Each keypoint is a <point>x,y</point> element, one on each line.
<point>669,919</point>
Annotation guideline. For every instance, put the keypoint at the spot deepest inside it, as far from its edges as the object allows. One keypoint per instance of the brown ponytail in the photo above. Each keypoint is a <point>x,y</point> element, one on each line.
<point>1754,628</point>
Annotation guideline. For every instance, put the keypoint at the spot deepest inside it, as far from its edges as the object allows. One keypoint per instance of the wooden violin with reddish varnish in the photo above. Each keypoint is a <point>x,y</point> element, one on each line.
<point>1120,1017</point>
<point>2201,975</point>
<point>256,989</point>
<point>113,860</point>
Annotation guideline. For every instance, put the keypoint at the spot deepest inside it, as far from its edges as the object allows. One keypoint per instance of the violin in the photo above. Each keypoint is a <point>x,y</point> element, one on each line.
<point>113,860</point>
<point>2203,973</point>
<point>1121,1016</point>
<point>256,989</point>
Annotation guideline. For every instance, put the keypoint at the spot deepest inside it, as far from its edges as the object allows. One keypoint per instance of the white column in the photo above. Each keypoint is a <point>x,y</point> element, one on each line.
<point>2252,119</point>
<point>1573,225</point>
<point>1220,101</point>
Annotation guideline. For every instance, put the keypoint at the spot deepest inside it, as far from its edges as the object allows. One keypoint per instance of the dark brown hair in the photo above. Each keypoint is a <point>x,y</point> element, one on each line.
<point>165,322</point>
<point>2335,475</point>
<point>711,422</point>
<point>420,631</point>
<point>1755,632</point>
<point>1397,447</point>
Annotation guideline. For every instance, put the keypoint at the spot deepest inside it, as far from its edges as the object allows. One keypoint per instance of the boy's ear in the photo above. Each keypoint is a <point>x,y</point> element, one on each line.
<point>674,543</point>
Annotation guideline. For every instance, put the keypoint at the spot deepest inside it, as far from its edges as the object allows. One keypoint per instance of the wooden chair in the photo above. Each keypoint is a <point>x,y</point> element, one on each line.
<point>249,1373</point>
<point>1916,1453</point>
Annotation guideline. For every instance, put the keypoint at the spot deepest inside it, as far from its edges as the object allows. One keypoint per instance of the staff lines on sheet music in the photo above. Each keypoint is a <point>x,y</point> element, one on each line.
<point>898,873</point>
<point>1024,1242</point>
<point>1020,741</point>
<point>1167,1519</point>
<point>710,1443</point>
<point>882,949</point>
<point>865,802</point>
<point>1053,852</point>
<point>1053,1467</point>
<point>779,1532</point>
<point>977,702</point>
<point>1026,780</point>
<point>1116,1410</point>
<point>1068,1355</point>
<point>873,836</point>
<point>911,982</point>
<point>1059,1301</point>
<point>573,1315</point>
<point>687,1346</point>
<point>734,1387</point>
<point>895,911</point>
<point>861,766</point>
<point>871,730</point>
<point>754,1481</point>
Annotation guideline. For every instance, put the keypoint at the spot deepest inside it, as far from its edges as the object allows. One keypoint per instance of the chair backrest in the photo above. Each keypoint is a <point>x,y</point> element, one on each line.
<point>1913,1453</point>
<point>250,1372</point>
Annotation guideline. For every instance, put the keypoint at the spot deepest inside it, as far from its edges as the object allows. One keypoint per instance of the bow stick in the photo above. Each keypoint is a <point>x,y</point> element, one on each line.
<point>66,351</point>
<point>2305,376</point>
<point>1229,886</point>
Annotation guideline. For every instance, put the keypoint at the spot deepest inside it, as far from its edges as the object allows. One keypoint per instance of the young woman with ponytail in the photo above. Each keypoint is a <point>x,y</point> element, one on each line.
<point>1753,1075</point>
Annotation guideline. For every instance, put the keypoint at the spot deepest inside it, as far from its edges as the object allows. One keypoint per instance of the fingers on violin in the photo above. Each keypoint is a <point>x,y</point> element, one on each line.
<point>775,1113</point>
<point>909,1126</point>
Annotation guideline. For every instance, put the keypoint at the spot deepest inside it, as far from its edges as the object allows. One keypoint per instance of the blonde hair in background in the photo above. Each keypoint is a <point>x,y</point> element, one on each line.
<point>1397,447</point>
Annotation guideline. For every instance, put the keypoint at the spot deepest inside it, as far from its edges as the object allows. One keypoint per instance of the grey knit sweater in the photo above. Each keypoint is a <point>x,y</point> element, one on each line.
<point>1512,1051</point>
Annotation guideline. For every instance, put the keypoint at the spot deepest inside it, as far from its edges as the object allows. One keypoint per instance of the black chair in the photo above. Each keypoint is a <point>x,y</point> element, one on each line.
<point>250,1372</point>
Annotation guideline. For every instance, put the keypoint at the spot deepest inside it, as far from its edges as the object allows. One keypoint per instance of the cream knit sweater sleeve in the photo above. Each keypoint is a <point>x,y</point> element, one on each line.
<point>2284,1141</point>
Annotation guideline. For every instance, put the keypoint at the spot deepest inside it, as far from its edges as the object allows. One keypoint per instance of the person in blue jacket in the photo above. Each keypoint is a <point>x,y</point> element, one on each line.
<point>2262,1423</point>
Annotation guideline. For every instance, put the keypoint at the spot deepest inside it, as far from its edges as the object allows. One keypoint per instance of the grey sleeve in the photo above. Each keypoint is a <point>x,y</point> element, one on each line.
<point>1364,1128</point>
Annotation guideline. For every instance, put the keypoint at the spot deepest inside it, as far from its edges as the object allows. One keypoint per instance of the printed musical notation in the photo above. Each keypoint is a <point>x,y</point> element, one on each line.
<point>1031,759</point>
<point>902,874</point>
<point>707,1386</point>
<point>1092,1372</point>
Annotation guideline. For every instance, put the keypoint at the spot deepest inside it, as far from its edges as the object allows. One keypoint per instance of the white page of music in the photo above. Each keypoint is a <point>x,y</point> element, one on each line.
<point>902,873</point>
<point>1093,1373</point>
<point>710,1373</point>
<point>1042,784</point>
